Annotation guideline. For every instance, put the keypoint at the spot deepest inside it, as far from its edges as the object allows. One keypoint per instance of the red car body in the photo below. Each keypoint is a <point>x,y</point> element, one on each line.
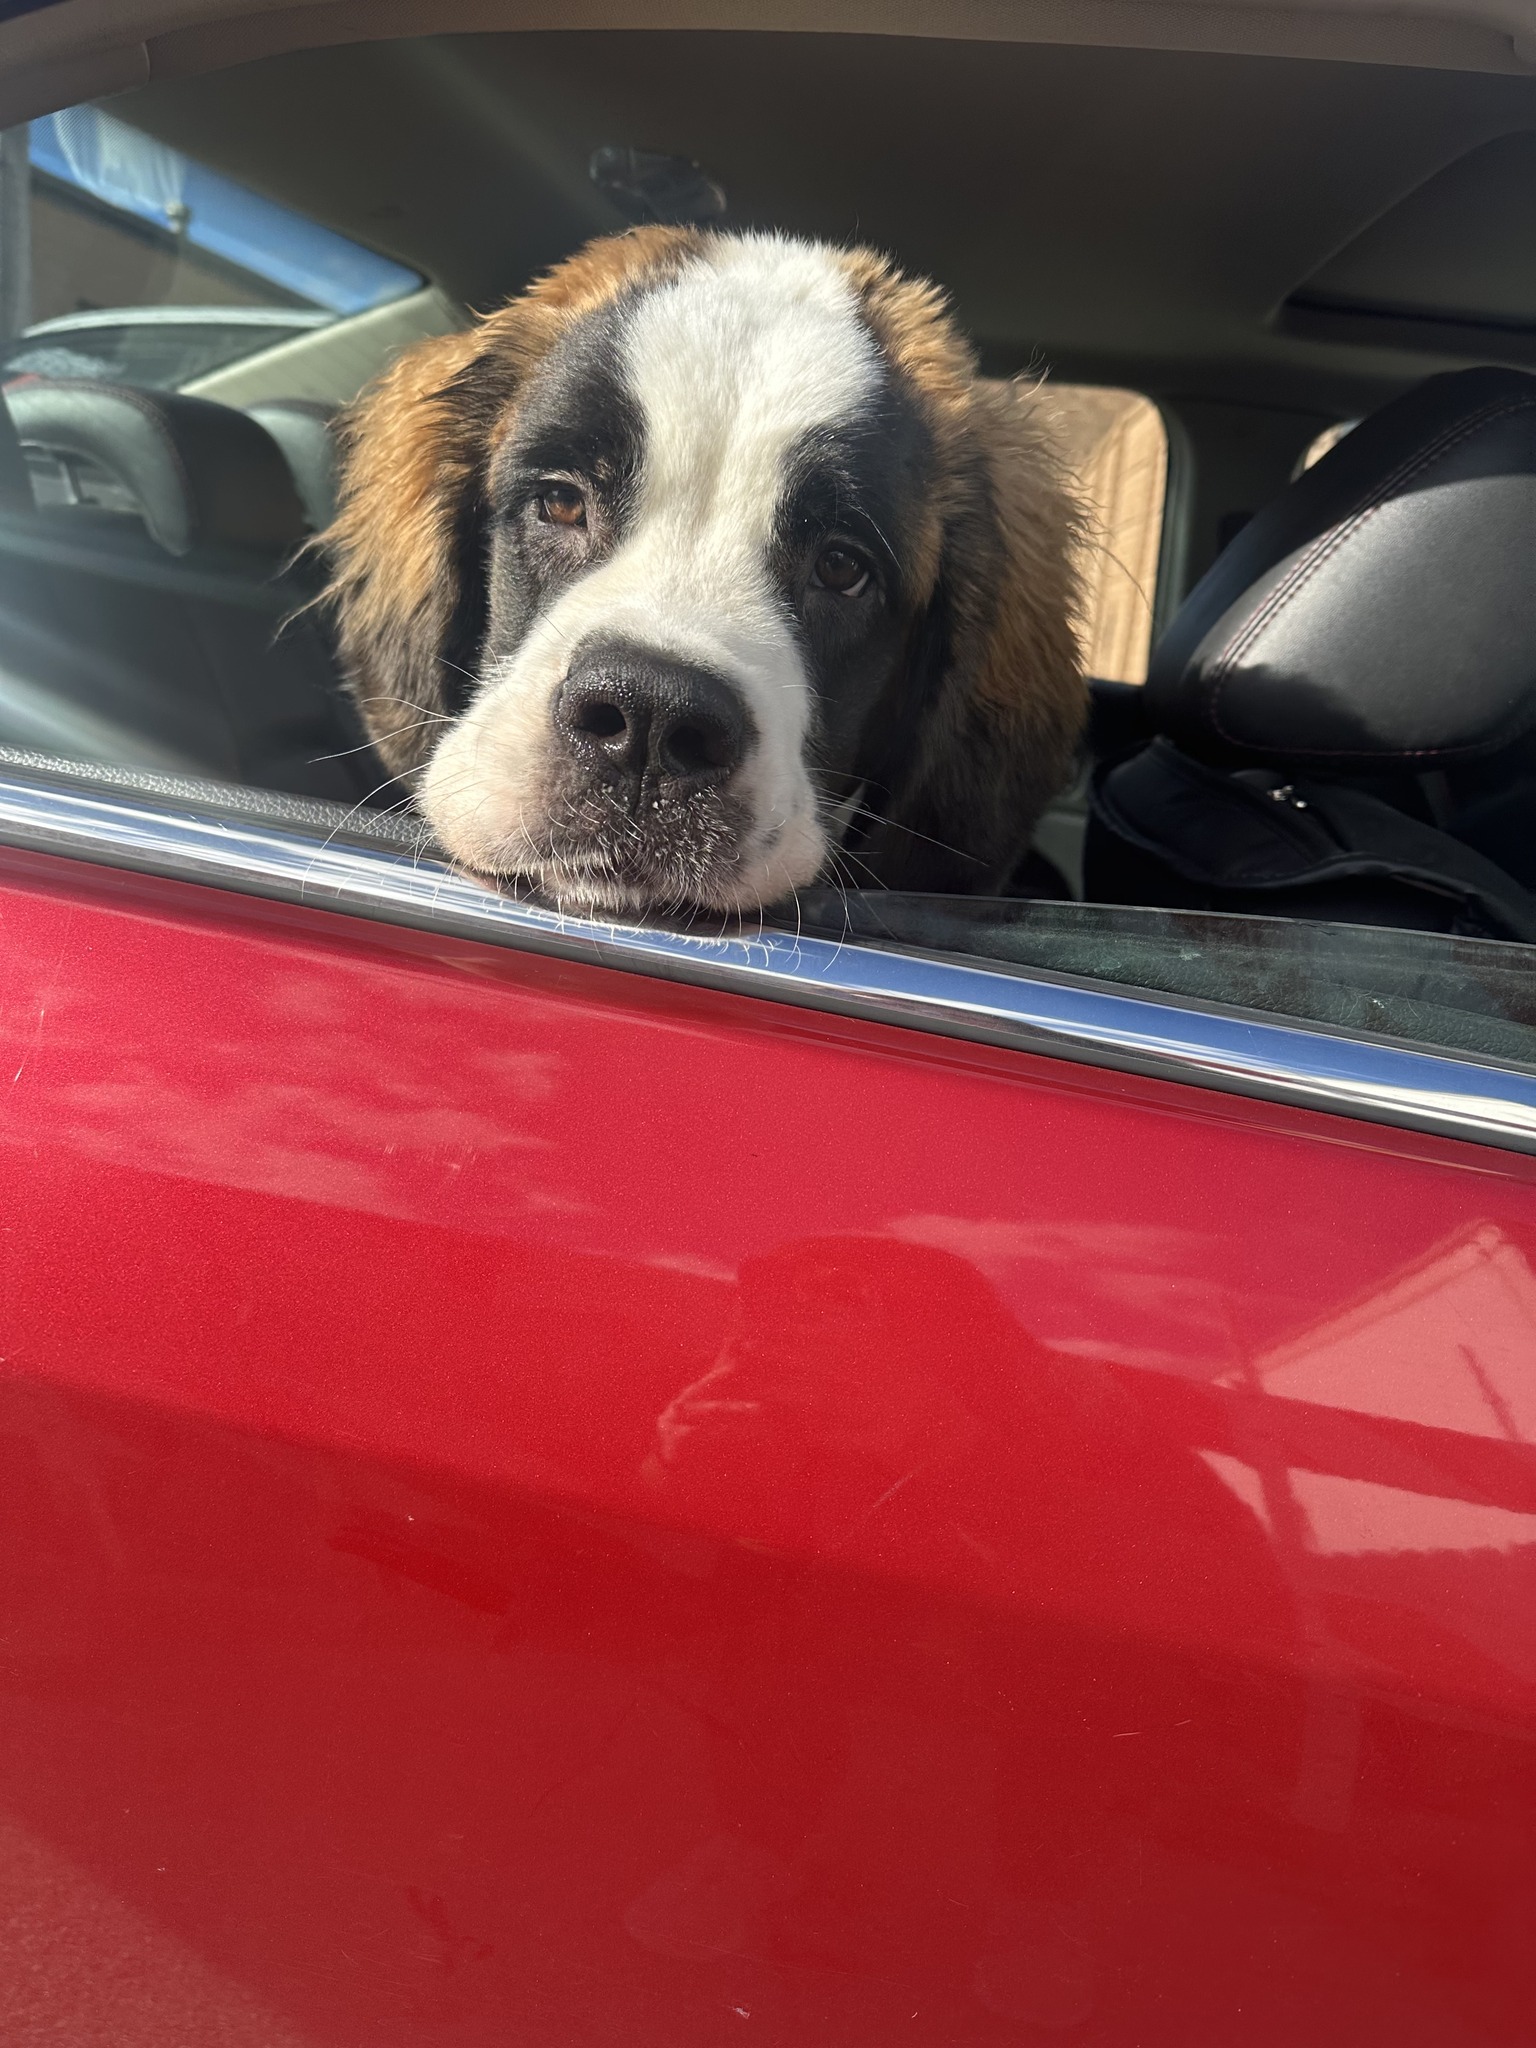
<point>545,1505</point>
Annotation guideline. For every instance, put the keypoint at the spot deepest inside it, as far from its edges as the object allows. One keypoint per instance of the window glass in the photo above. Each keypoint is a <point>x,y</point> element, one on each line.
<point>1475,996</point>
<point>1118,446</point>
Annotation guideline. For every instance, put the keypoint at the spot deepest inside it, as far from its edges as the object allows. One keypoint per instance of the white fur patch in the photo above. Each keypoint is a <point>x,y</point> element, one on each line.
<point>730,364</point>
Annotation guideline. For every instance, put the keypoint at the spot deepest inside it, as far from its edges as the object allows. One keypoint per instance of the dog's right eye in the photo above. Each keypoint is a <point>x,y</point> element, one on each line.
<point>841,569</point>
<point>562,505</point>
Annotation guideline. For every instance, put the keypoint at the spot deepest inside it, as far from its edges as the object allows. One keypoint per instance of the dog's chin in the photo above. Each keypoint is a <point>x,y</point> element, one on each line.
<point>666,881</point>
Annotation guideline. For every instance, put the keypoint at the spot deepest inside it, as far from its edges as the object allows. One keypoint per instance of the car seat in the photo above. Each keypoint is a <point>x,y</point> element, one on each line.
<point>152,611</point>
<point>304,428</point>
<point>1343,709</point>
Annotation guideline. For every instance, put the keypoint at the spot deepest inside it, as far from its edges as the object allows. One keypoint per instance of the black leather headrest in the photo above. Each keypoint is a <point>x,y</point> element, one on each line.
<point>202,475</point>
<point>1383,609</point>
<point>303,429</point>
<point>15,484</point>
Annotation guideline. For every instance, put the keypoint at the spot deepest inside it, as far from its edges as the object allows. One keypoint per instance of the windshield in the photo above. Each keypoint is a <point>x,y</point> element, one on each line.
<point>148,268</point>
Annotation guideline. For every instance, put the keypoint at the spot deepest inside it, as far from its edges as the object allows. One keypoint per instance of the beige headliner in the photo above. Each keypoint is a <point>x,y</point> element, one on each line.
<point>86,49</point>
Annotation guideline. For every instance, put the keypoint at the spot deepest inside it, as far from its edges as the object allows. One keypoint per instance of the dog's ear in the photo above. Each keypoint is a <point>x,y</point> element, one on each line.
<point>407,548</point>
<point>995,690</point>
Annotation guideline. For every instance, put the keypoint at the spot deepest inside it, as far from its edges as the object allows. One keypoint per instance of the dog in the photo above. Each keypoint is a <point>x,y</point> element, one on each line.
<point>706,562</point>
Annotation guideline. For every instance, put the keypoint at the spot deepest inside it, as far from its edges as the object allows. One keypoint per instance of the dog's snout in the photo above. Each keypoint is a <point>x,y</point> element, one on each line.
<point>637,718</point>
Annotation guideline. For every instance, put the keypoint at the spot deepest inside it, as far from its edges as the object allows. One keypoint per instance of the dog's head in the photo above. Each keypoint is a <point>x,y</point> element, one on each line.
<point>646,572</point>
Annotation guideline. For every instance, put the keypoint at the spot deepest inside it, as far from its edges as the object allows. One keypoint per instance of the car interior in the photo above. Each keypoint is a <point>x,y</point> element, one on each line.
<point>1313,796</point>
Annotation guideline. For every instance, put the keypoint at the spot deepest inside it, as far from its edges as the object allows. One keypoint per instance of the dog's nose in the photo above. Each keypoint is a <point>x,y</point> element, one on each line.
<point>635,717</point>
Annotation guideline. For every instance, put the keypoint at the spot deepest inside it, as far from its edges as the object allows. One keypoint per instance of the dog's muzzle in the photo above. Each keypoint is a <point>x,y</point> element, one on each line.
<point>641,781</point>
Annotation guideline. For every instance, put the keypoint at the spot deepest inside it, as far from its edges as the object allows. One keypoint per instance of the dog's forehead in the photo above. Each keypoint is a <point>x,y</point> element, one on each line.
<point>760,339</point>
<point>756,342</point>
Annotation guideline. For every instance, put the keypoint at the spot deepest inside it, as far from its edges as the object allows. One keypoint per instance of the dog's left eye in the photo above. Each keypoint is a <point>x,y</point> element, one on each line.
<point>562,505</point>
<point>842,570</point>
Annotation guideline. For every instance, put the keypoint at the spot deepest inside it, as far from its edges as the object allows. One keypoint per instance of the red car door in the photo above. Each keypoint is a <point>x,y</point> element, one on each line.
<point>549,1503</point>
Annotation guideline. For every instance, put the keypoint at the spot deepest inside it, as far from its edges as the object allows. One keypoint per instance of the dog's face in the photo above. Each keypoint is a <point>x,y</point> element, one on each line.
<point>663,576</point>
<point>701,524</point>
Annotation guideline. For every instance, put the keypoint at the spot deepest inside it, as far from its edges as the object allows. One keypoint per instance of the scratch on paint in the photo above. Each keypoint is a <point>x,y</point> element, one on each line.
<point>32,1048</point>
<point>42,1011</point>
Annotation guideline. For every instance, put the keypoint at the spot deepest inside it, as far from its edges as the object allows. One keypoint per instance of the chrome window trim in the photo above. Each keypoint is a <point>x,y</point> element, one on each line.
<point>1160,1036</point>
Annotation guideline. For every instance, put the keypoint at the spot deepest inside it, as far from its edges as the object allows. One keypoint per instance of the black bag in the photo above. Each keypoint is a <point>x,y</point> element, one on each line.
<point>1166,829</point>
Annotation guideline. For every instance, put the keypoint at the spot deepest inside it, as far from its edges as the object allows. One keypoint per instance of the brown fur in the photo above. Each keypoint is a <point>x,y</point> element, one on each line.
<point>997,736</point>
<point>995,563</point>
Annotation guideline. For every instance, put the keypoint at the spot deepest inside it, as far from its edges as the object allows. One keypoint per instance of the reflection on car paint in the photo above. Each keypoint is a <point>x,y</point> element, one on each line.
<point>1446,1342</point>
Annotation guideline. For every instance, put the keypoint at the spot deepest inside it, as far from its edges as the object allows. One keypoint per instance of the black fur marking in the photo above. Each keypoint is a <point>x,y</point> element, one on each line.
<point>861,483</point>
<point>576,421</point>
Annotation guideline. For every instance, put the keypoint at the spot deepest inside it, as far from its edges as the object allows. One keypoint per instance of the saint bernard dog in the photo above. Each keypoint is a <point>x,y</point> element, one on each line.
<point>707,562</point>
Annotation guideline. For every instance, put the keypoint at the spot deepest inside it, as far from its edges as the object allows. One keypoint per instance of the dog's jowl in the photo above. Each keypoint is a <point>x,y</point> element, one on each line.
<point>703,543</point>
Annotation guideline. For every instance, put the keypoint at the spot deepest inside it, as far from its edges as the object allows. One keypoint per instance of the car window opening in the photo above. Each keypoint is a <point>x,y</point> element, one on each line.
<point>1299,791</point>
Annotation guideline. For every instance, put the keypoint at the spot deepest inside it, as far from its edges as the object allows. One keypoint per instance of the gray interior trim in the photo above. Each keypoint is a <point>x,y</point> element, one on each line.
<point>333,362</point>
<point>188,35</point>
<point>296,860</point>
